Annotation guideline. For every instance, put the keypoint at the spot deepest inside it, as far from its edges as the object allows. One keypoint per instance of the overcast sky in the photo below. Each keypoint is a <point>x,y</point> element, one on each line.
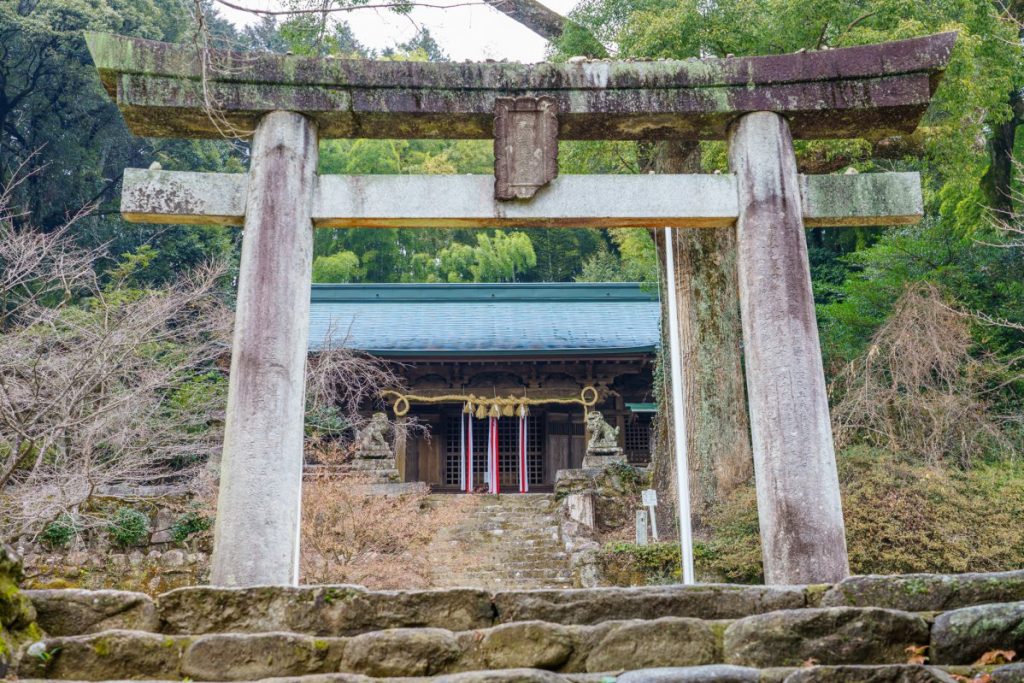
<point>473,32</point>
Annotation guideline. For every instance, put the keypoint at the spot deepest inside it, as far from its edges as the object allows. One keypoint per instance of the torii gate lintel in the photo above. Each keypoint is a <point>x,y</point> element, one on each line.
<point>758,103</point>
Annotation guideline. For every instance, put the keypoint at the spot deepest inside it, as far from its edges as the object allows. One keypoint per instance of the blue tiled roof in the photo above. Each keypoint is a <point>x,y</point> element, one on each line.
<point>486,319</point>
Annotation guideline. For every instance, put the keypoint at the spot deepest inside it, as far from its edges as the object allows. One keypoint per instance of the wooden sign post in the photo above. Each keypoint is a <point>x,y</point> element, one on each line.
<point>649,497</point>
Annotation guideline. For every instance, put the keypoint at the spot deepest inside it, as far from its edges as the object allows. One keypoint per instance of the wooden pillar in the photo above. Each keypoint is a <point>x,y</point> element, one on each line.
<point>256,536</point>
<point>802,532</point>
<point>620,420</point>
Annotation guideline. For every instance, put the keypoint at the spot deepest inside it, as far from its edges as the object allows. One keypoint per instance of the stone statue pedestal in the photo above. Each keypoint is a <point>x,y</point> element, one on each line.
<point>377,470</point>
<point>597,458</point>
<point>375,454</point>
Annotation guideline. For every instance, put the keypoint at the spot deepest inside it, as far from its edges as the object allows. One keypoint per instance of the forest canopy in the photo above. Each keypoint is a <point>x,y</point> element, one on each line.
<point>52,105</point>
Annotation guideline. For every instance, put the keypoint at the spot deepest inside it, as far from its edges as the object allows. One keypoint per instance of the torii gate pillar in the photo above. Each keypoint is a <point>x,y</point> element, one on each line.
<point>802,532</point>
<point>256,537</point>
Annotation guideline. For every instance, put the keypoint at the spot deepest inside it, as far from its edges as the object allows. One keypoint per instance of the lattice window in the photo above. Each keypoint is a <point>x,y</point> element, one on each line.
<point>638,439</point>
<point>508,450</point>
<point>535,449</point>
<point>452,447</point>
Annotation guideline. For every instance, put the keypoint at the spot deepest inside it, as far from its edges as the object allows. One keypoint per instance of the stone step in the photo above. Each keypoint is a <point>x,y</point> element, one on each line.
<point>349,610</point>
<point>831,636</point>
<point>503,542</point>
<point>768,634</point>
<point>717,673</point>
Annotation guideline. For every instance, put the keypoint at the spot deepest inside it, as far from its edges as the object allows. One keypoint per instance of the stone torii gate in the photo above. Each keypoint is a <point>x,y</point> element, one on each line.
<point>759,104</point>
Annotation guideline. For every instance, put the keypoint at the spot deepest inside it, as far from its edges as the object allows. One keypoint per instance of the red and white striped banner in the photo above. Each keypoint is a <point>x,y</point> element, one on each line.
<point>495,476</point>
<point>524,479</point>
<point>468,460</point>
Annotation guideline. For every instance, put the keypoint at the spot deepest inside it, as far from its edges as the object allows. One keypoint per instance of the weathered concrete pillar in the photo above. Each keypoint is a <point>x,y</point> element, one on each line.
<point>256,536</point>
<point>802,532</point>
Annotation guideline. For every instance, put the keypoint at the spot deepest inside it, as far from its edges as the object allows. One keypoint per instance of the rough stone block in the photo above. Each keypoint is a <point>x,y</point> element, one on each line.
<point>401,652</point>
<point>580,508</point>
<point>892,673</point>
<point>666,642</point>
<point>503,676</point>
<point>111,655</point>
<point>162,526</point>
<point>17,615</point>
<point>964,635</point>
<point>1011,673</point>
<point>926,592</point>
<point>605,604</point>
<point>711,673</point>
<point>249,657</point>
<point>73,612</point>
<point>834,635</point>
<point>320,610</point>
<point>532,644</point>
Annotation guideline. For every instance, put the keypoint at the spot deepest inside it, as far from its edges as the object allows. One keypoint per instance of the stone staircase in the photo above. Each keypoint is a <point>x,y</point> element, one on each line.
<point>863,630</point>
<point>504,541</point>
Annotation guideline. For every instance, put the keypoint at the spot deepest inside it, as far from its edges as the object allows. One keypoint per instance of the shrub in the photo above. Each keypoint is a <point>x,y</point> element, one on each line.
<point>128,527</point>
<point>901,517</point>
<point>59,532</point>
<point>732,552</point>
<point>191,522</point>
<point>627,474</point>
<point>351,535</point>
<point>638,565</point>
<point>920,389</point>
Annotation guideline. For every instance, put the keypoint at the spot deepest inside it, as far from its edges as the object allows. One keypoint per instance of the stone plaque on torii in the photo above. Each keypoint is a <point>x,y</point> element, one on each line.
<point>759,104</point>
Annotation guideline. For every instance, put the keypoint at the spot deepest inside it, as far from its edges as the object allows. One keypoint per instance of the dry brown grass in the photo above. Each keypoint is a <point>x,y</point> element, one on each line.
<point>920,390</point>
<point>350,535</point>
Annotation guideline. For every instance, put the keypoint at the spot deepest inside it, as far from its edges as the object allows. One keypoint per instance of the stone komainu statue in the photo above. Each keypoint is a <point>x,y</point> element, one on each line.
<point>603,437</point>
<point>371,442</point>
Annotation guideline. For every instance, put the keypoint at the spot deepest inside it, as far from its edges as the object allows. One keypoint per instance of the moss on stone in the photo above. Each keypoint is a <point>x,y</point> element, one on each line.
<point>17,616</point>
<point>101,647</point>
<point>815,592</point>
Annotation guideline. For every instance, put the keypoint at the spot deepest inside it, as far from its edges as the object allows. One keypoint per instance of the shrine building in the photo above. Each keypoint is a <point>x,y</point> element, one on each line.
<point>566,348</point>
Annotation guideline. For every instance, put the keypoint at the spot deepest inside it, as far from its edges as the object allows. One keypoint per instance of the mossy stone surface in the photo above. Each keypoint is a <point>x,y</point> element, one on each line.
<point>890,673</point>
<point>666,642</point>
<point>926,592</point>
<point>17,615</point>
<point>72,612</point>
<point>964,635</point>
<point>836,635</point>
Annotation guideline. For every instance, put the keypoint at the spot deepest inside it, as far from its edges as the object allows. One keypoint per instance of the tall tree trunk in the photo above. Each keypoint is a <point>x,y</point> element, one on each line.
<point>998,180</point>
<point>717,426</point>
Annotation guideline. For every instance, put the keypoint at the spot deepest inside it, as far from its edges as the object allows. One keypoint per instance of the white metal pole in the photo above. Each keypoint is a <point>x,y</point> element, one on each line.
<point>678,414</point>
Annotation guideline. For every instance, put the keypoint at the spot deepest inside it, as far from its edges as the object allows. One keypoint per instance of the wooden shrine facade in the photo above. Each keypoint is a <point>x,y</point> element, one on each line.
<point>534,340</point>
<point>556,433</point>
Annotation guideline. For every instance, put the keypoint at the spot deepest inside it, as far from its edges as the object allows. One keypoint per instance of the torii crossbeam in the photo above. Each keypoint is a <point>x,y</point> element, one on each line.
<point>759,103</point>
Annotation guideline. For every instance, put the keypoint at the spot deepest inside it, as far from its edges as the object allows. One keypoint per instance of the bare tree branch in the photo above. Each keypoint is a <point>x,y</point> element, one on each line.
<point>540,19</point>
<point>351,8</point>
